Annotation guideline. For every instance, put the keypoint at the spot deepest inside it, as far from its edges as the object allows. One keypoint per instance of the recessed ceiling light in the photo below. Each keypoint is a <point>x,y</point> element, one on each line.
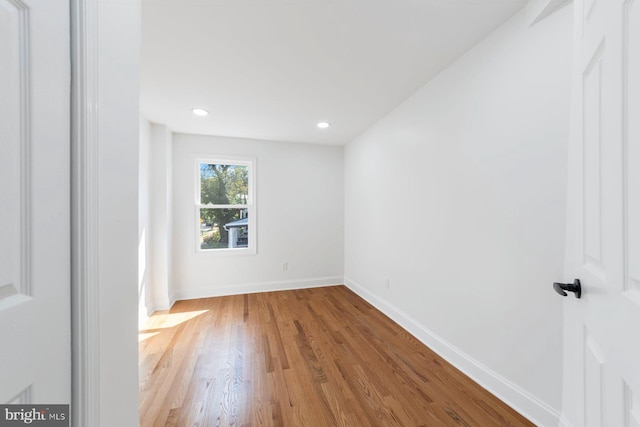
<point>323,125</point>
<point>200,112</point>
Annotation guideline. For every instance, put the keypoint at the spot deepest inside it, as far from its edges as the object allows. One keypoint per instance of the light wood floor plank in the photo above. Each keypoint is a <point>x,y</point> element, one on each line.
<point>310,357</point>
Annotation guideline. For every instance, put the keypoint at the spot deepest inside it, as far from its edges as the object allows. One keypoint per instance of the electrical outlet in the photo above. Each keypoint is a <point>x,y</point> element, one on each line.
<point>284,266</point>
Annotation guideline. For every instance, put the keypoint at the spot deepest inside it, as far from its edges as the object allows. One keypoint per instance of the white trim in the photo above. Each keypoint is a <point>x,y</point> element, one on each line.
<point>564,422</point>
<point>24,76</point>
<point>85,309</point>
<point>161,304</point>
<point>143,315</point>
<point>626,166</point>
<point>172,299</point>
<point>24,398</point>
<point>250,288</point>
<point>212,206</point>
<point>526,404</point>
<point>14,300</point>
<point>542,9</point>
<point>158,304</point>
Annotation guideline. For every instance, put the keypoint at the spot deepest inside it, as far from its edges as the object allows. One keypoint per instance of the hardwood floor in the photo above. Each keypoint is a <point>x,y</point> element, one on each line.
<point>312,357</point>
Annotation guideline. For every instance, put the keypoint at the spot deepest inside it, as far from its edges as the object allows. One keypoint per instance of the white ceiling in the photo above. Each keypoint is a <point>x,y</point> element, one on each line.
<point>272,69</point>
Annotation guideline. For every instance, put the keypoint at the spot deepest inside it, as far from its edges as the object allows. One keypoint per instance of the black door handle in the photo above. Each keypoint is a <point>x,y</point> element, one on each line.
<point>571,287</point>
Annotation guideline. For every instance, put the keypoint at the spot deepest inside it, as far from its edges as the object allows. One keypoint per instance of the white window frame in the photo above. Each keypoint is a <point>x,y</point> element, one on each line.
<point>250,163</point>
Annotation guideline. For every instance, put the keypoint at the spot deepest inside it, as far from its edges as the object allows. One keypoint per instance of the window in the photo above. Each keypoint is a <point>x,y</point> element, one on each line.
<point>225,210</point>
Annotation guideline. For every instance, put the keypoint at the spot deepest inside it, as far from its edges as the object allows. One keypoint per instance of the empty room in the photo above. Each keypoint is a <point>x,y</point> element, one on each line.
<point>320,212</point>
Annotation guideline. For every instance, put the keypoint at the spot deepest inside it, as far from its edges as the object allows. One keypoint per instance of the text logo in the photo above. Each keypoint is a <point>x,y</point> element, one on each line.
<point>34,415</point>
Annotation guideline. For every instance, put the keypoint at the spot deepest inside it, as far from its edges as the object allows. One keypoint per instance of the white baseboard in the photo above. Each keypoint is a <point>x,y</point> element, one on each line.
<point>250,288</point>
<point>564,422</point>
<point>143,315</point>
<point>519,399</point>
<point>159,304</point>
<point>172,299</point>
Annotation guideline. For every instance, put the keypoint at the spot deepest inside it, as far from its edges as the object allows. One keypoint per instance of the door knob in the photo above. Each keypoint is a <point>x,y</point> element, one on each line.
<point>571,287</point>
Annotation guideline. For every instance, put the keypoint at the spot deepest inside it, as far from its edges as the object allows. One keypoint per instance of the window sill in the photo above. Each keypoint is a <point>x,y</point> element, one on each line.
<point>227,252</point>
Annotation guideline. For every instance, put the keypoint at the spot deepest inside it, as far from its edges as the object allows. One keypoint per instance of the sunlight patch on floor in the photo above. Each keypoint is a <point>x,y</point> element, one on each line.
<point>145,335</point>
<point>169,320</point>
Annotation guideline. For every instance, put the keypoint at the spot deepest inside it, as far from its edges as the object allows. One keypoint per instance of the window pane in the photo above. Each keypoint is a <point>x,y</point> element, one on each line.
<point>222,184</point>
<point>223,228</point>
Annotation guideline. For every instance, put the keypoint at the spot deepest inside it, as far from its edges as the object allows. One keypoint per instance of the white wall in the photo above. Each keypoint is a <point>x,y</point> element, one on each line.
<point>118,50</point>
<point>458,197</point>
<point>154,219</point>
<point>145,306</point>
<point>161,216</point>
<point>299,218</point>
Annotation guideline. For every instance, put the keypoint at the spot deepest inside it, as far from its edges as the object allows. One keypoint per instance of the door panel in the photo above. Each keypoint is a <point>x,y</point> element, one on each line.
<point>592,111</point>
<point>13,82</point>
<point>601,366</point>
<point>588,7</point>
<point>15,292</point>
<point>632,407</point>
<point>631,40</point>
<point>593,379</point>
<point>34,202</point>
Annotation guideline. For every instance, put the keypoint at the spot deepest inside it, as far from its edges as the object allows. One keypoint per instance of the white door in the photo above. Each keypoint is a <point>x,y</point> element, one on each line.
<point>602,329</point>
<point>34,202</point>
